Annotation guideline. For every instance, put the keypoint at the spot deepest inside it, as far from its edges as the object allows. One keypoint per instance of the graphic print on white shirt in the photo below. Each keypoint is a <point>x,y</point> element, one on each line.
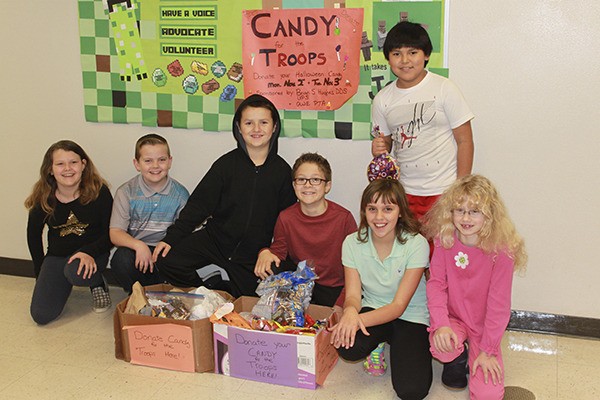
<point>412,119</point>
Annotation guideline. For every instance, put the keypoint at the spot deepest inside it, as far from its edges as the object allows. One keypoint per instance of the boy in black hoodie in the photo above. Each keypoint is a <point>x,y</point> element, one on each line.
<point>239,200</point>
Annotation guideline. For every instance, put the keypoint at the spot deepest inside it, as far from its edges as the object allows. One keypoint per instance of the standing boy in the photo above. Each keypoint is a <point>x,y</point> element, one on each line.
<point>143,209</point>
<point>314,228</point>
<point>236,204</point>
<point>422,119</point>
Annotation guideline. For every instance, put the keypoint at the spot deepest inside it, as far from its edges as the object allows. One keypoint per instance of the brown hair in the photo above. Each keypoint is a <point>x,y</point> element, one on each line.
<point>313,158</point>
<point>150,139</point>
<point>43,193</point>
<point>390,191</point>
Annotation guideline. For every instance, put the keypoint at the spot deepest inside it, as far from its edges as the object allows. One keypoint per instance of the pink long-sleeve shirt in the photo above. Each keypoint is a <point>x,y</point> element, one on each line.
<point>473,287</point>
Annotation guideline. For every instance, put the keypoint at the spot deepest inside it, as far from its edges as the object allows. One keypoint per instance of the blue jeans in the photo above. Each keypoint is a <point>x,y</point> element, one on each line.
<point>55,282</point>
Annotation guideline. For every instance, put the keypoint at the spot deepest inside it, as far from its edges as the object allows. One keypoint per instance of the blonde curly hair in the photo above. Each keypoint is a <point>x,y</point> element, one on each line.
<point>498,232</point>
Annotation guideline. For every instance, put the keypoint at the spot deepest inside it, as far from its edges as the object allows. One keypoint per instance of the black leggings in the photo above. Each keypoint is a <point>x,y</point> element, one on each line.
<point>325,295</point>
<point>410,359</point>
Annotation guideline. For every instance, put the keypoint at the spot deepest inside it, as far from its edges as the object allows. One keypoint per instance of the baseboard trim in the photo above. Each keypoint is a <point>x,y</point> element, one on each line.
<point>16,267</point>
<point>526,321</point>
<point>555,324</point>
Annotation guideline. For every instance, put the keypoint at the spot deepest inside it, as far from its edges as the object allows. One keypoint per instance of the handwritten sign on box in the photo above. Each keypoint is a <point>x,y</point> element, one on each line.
<point>254,355</point>
<point>168,346</point>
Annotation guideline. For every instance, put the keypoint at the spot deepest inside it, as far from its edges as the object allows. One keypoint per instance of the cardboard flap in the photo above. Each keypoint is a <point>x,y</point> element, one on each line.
<point>327,356</point>
<point>119,353</point>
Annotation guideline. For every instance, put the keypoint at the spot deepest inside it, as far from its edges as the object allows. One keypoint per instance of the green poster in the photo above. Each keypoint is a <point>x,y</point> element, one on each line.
<point>177,63</point>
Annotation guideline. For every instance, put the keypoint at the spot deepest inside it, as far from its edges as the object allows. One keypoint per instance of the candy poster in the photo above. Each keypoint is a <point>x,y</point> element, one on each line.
<point>187,63</point>
<point>302,59</point>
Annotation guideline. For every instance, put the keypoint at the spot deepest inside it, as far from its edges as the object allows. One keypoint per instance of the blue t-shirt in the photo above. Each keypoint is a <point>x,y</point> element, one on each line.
<point>380,279</point>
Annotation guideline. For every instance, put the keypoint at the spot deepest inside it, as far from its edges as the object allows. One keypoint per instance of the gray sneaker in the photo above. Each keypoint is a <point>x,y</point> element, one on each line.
<point>101,299</point>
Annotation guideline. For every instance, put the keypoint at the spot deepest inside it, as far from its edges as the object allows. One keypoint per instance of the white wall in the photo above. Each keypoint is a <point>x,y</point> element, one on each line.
<point>526,67</point>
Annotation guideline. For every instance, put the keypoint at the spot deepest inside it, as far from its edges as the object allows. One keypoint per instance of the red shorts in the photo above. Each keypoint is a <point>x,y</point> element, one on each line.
<point>419,205</point>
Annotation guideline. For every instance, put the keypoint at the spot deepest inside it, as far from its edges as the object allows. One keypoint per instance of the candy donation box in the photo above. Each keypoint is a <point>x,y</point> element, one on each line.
<point>302,361</point>
<point>181,345</point>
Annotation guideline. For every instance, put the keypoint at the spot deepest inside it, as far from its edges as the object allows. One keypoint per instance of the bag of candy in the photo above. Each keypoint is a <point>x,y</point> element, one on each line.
<point>284,297</point>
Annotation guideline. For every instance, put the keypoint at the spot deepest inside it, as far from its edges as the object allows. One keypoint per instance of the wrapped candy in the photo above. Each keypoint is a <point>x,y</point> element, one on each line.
<point>284,297</point>
<point>384,166</point>
<point>194,305</point>
<point>170,305</point>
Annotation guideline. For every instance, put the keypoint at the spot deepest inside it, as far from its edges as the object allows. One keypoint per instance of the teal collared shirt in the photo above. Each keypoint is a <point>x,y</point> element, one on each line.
<point>380,279</point>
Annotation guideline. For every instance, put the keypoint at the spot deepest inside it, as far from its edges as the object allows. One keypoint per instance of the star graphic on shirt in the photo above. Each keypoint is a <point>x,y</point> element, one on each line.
<point>72,226</point>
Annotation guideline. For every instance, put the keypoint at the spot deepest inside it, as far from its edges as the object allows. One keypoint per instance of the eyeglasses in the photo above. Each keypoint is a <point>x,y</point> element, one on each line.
<point>313,181</point>
<point>459,212</point>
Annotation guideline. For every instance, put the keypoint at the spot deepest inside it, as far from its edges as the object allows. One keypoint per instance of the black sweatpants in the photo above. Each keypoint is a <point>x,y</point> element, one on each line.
<point>198,250</point>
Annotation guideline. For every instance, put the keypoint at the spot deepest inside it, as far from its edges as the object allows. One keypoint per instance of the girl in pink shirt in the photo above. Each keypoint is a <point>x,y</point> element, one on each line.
<point>476,251</point>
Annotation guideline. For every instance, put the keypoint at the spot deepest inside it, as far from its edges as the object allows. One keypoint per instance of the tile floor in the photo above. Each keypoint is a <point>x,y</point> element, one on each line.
<point>73,358</point>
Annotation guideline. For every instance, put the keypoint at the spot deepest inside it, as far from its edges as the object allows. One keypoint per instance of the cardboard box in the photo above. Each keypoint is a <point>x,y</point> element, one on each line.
<point>284,359</point>
<point>202,337</point>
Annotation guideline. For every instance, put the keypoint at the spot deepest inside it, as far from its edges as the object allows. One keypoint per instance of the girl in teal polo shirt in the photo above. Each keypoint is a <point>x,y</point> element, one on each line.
<point>385,289</point>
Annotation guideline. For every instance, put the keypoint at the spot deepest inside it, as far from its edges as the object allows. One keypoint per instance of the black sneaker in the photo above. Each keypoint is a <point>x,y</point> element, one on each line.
<point>454,375</point>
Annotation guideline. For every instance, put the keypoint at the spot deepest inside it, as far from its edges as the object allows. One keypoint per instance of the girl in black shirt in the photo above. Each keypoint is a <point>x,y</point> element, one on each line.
<point>74,202</point>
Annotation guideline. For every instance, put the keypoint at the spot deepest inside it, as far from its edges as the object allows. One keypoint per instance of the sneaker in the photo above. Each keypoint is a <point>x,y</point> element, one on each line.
<point>101,298</point>
<point>375,363</point>
<point>454,375</point>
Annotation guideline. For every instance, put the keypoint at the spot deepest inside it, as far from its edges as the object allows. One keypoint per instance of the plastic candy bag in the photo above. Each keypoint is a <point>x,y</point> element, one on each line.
<point>284,297</point>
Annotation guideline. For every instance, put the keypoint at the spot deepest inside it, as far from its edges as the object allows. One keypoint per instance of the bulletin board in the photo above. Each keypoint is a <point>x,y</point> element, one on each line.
<point>187,63</point>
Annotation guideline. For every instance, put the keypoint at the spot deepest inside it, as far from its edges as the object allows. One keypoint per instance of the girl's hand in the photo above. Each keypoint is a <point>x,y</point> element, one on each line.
<point>490,366</point>
<point>344,332</point>
<point>161,249</point>
<point>87,264</point>
<point>263,264</point>
<point>445,340</point>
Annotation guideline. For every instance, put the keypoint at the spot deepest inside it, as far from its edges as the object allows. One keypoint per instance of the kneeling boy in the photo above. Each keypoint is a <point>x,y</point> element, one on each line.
<point>143,209</point>
<point>312,229</point>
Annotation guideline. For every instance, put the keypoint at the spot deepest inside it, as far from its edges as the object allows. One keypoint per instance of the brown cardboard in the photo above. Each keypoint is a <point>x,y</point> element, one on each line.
<point>201,331</point>
<point>322,352</point>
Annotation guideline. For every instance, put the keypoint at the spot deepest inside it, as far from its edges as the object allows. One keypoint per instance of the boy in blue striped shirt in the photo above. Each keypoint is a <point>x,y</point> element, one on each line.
<point>143,208</point>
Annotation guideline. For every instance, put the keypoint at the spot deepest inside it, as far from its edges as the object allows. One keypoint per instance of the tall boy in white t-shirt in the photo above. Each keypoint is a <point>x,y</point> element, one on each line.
<point>421,119</point>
